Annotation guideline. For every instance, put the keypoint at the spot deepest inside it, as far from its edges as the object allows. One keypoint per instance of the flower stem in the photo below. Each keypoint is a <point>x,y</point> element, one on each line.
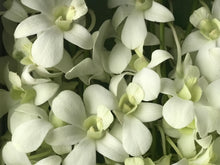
<point>93,20</point>
<point>179,56</point>
<point>163,139</point>
<point>174,147</point>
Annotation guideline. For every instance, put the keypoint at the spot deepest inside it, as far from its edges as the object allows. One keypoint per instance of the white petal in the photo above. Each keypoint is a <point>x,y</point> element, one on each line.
<point>51,160</point>
<point>47,50</point>
<point>115,3</point>
<point>149,80</point>
<point>16,13</point>
<point>158,13</point>
<point>206,119</point>
<point>119,58</point>
<point>204,58</point>
<point>118,85</point>
<point>44,92</point>
<point>80,8</point>
<point>32,25</point>
<point>68,106</point>
<point>134,31</point>
<point>215,9</point>
<point>136,137</point>
<point>186,144</point>
<point>83,154</point>
<point>178,113</point>
<point>29,136</point>
<point>45,7</point>
<point>168,87</point>
<point>120,14</point>
<point>83,68</point>
<point>66,63</point>
<point>6,102</point>
<point>193,42</point>
<point>12,156</point>
<point>79,36</point>
<point>199,15</point>
<point>183,161</point>
<point>61,150</point>
<point>106,116</point>
<point>147,112</point>
<point>66,135</point>
<point>212,93</point>
<point>151,39</point>
<point>96,95</point>
<point>111,148</point>
<point>27,78</point>
<point>159,56</point>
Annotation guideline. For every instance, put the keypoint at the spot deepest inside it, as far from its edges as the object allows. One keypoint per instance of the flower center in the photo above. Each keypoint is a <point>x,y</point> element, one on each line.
<point>94,127</point>
<point>127,104</point>
<point>143,4</point>
<point>63,17</point>
<point>210,28</point>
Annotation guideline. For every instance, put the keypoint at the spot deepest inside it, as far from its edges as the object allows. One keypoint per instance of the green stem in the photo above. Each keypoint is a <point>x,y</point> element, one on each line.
<point>163,139</point>
<point>204,5</point>
<point>174,147</point>
<point>162,38</point>
<point>178,65</point>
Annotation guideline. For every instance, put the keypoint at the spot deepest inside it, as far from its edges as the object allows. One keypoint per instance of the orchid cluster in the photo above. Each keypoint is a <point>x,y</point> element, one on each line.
<point>135,90</point>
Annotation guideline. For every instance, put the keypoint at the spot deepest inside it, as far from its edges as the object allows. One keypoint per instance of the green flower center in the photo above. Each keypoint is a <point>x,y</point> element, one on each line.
<point>94,127</point>
<point>210,28</point>
<point>143,4</point>
<point>63,17</point>
<point>127,104</point>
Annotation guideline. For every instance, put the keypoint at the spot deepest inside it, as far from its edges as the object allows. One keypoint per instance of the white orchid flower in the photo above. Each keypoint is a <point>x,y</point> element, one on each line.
<point>56,21</point>
<point>134,31</point>
<point>86,126</point>
<point>132,112</point>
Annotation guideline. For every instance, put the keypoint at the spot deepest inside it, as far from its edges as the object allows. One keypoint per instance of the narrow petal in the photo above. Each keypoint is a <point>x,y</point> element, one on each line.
<point>66,135</point>
<point>16,13</point>
<point>149,80</point>
<point>158,13</point>
<point>96,95</point>
<point>120,14</point>
<point>47,50</point>
<point>32,25</point>
<point>30,135</point>
<point>168,87</point>
<point>51,160</point>
<point>193,42</point>
<point>43,6</point>
<point>44,92</point>
<point>212,93</point>
<point>9,151</point>
<point>134,31</point>
<point>215,9</point>
<point>147,112</point>
<point>183,161</point>
<point>68,106</point>
<point>178,113</point>
<point>159,56</point>
<point>111,148</point>
<point>119,58</point>
<point>61,150</point>
<point>136,137</point>
<point>83,154</point>
<point>79,36</point>
<point>6,102</point>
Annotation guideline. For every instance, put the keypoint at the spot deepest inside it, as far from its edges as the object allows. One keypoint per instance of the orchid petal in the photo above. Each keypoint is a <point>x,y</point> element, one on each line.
<point>136,137</point>
<point>68,106</point>
<point>178,113</point>
<point>32,25</point>
<point>47,50</point>
<point>51,160</point>
<point>158,13</point>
